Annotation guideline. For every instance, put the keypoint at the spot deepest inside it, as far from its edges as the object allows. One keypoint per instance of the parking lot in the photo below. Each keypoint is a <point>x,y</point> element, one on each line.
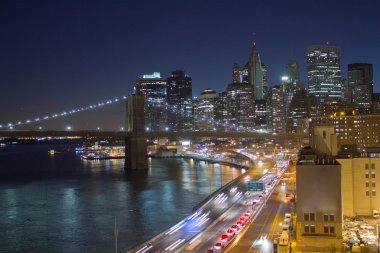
<point>359,231</point>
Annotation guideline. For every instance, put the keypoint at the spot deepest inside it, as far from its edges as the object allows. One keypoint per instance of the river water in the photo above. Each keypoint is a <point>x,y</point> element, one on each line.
<point>61,203</point>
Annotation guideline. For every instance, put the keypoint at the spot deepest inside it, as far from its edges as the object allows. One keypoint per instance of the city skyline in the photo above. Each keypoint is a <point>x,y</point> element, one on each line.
<point>75,59</point>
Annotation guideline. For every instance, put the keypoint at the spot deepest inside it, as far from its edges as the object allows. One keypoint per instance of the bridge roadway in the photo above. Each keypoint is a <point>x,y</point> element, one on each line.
<point>206,224</point>
<point>151,135</point>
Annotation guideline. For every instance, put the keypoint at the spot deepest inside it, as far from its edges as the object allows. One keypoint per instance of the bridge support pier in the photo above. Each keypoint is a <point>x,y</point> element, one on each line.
<point>136,157</point>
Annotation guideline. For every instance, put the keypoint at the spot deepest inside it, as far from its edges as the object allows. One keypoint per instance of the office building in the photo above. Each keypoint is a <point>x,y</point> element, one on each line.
<point>255,73</point>
<point>204,110</point>
<point>323,72</point>
<point>179,100</point>
<point>360,84</point>
<point>351,129</point>
<point>278,110</point>
<point>261,115</point>
<point>376,103</point>
<point>319,209</point>
<point>292,70</point>
<point>154,87</point>
<point>299,113</point>
<point>221,112</point>
<point>240,106</point>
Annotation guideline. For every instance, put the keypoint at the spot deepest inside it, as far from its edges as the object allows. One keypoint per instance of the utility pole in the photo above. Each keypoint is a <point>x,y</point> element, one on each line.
<point>116,233</point>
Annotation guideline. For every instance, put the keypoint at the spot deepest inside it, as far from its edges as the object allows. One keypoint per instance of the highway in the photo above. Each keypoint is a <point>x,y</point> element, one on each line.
<point>201,230</point>
<point>260,235</point>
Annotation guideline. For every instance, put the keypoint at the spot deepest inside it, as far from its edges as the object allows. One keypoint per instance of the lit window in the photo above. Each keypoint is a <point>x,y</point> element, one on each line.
<point>312,228</point>
<point>332,217</point>
<point>326,229</point>
<point>332,229</point>
<point>307,230</point>
<point>306,216</point>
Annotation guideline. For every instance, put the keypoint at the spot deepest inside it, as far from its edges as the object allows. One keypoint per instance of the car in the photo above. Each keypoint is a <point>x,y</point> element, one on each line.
<point>243,219</point>
<point>240,224</point>
<point>230,232</point>
<point>224,238</point>
<point>263,237</point>
<point>210,251</point>
<point>247,215</point>
<point>218,246</point>
<point>235,227</point>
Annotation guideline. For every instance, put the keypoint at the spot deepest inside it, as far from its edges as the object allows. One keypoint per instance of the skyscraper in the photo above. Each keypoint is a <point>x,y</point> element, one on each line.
<point>299,113</point>
<point>323,72</point>
<point>204,110</point>
<point>240,106</point>
<point>264,69</point>
<point>154,88</point>
<point>221,112</point>
<point>255,73</point>
<point>360,83</point>
<point>278,110</point>
<point>292,70</point>
<point>179,99</point>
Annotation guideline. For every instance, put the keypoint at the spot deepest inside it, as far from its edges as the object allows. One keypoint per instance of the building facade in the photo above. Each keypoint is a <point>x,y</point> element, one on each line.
<point>204,110</point>
<point>154,87</point>
<point>255,73</point>
<point>360,85</point>
<point>179,100</point>
<point>319,209</point>
<point>323,72</point>
<point>240,106</point>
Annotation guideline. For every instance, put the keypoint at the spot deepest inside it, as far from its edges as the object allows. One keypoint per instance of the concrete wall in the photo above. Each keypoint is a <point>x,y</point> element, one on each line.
<point>360,193</point>
<point>319,192</point>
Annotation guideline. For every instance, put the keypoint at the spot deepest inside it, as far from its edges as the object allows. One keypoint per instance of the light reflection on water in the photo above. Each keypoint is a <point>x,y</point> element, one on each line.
<point>61,203</point>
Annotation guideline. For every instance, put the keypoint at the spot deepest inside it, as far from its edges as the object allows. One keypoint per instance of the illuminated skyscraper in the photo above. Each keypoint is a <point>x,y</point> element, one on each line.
<point>204,110</point>
<point>278,109</point>
<point>154,88</point>
<point>360,82</point>
<point>255,73</point>
<point>240,106</point>
<point>323,72</point>
<point>179,99</point>
<point>221,112</point>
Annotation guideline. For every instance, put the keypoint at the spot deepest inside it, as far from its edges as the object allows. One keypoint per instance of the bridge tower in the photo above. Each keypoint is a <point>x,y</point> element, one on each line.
<point>135,142</point>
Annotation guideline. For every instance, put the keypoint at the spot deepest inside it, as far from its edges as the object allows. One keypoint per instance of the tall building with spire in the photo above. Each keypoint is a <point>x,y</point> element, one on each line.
<point>323,72</point>
<point>255,73</point>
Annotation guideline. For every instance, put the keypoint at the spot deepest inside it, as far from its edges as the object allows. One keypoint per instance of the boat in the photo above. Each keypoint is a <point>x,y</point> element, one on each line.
<point>51,152</point>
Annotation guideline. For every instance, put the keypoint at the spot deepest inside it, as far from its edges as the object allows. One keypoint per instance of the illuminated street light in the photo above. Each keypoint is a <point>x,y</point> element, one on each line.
<point>68,128</point>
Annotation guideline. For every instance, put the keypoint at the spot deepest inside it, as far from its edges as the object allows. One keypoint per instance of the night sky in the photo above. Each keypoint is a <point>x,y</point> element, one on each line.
<point>58,55</point>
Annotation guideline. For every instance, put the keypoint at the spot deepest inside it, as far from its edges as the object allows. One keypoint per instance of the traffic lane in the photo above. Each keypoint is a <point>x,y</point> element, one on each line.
<point>266,223</point>
<point>213,233</point>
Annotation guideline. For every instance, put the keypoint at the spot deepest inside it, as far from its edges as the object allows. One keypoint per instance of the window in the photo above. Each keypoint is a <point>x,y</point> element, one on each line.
<point>373,175</point>
<point>332,217</point>
<point>326,217</point>
<point>306,216</point>
<point>312,228</point>
<point>326,229</point>
<point>373,192</point>
<point>366,184</point>
<point>366,166</point>
<point>312,217</point>
<point>373,184</point>
<point>332,230</point>
<point>373,166</point>
<point>307,229</point>
<point>366,175</point>
<point>367,193</point>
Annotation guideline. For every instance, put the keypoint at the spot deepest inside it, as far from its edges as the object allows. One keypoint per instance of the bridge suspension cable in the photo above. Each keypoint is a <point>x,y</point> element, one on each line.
<point>11,125</point>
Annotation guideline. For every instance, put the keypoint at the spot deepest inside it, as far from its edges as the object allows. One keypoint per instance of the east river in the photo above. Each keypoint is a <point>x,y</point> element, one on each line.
<point>61,203</point>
